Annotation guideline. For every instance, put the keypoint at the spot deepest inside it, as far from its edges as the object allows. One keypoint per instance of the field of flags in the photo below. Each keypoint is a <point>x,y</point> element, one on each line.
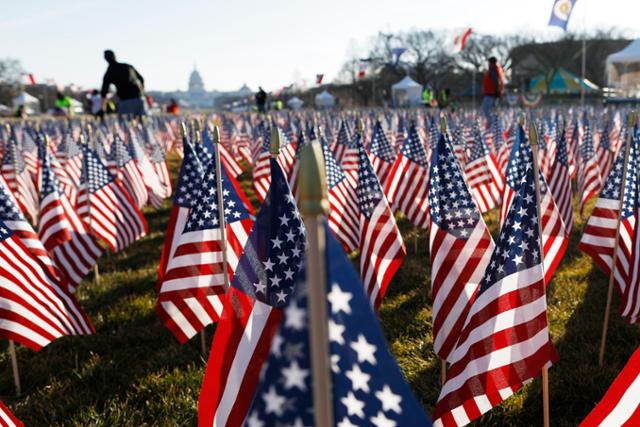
<point>467,266</point>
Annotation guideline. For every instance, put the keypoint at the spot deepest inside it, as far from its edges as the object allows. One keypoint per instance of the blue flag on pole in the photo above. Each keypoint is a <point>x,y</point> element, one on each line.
<point>561,13</point>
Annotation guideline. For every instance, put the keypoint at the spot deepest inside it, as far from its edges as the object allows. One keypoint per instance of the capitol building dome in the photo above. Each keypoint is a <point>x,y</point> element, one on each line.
<point>196,85</point>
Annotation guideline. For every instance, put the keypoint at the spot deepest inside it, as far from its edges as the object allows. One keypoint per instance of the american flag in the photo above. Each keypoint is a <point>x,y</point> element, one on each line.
<point>401,132</point>
<point>406,187</point>
<point>368,386</point>
<point>589,178</point>
<point>146,171</point>
<point>19,179</point>
<point>159,163</point>
<point>560,182</point>
<point>605,152</point>
<point>460,245</point>
<point>35,308</point>
<point>106,207</point>
<point>192,283</point>
<point>60,228</point>
<point>29,151</point>
<point>381,247</point>
<point>226,158</point>
<point>504,150</point>
<point>505,340</point>
<point>342,141</point>
<point>598,238</point>
<point>344,218</point>
<point>7,419</point>
<point>262,171</point>
<point>620,405</point>
<point>253,308</point>
<point>69,154</point>
<point>382,154</point>
<point>554,236</point>
<point>125,169</point>
<point>483,174</point>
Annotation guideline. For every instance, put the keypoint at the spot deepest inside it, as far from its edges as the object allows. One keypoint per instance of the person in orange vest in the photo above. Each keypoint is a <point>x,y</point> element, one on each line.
<point>492,86</point>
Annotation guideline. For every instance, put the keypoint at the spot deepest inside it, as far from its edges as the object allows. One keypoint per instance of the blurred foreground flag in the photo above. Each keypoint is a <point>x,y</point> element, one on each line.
<point>621,405</point>
<point>561,13</point>
<point>368,387</point>
<point>7,418</point>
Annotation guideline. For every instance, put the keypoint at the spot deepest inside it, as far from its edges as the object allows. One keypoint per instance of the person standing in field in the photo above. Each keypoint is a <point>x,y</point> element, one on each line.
<point>129,85</point>
<point>492,86</point>
<point>261,100</point>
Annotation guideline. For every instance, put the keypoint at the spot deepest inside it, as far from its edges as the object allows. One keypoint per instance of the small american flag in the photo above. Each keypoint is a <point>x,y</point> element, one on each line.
<point>193,281</point>
<point>106,207</point>
<point>483,174</point>
<point>560,182</point>
<point>36,309</point>
<point>505,341</point>
<point>344,218</point>
<point>262,286</point>
<point>382,154</point>
<point>589,178</point>
<point>19,179</point>
<point>619,406</point>
<point>600,231</point>
<point>605,152</point>
<point>69,155</point>
<point>61,230</point>
<point>124,168</point>
<point>554,236</point>
<point>406,187</point>
<point>368,387</point>
<point>159,163</point>
<point>460,245</point>
<point>381,247</point>
<point>7,419</point>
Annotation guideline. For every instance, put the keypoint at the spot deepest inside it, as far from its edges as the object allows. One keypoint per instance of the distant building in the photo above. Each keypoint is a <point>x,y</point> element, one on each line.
<point>197,97</point>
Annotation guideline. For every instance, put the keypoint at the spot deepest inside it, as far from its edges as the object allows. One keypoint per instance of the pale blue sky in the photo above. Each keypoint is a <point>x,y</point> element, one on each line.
<point>248,41</point>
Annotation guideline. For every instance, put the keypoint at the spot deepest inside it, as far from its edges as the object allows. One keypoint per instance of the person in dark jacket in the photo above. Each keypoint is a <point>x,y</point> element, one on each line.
<point>261,100</point>
<point>129,86</point>
<point>492,86</point>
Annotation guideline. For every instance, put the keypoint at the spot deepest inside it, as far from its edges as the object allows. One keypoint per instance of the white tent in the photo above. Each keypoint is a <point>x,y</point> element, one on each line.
<point>295,103</point>
<point>406,93</point>
<point>623,70</point>
<point>31,103</point>
<point>325,100</point>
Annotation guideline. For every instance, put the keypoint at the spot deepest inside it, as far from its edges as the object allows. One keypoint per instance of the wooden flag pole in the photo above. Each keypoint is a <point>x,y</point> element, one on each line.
<point>314,206</point>
<point>533,140</point>
<point>222,222</point>
<point>14,367</point>
<point>633,117</point>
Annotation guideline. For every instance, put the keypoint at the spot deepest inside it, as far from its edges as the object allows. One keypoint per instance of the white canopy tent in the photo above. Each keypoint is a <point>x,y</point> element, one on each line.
<point>31,103</point>
<point>623,70</point>
<point>325,100</point>
<point>406,93</point>
<point>295,103</point>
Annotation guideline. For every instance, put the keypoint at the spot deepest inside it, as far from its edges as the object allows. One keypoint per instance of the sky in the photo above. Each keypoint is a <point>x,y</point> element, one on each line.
<point>270,43</point>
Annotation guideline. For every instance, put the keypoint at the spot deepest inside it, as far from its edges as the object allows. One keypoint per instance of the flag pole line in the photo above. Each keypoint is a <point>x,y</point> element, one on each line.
<point>314,205</point>
<point>607,311</point>
<point>533,141</point>
<point>221,219</point>
<point>14,367</point>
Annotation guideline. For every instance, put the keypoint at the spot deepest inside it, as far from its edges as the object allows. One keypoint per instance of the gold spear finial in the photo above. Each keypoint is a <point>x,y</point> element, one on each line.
<point>215,134</point>
<point>274,145</point>
<point>533,134</point>
<point>313,184</point>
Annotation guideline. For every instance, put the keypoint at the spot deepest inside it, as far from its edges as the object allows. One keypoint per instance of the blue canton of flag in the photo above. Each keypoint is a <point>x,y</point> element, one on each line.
<point>380,145</point>
<point>95,174</point>
<point>343,134</point>
<point>450,201</point>
<point>369,190</point>
<point>204,206</point>
<point>9,210</point>
<point>479,148</point>
<point>49,183</point>
<point>518,246</point>
<point>119,152</point>
<point>561,152</point>
<point>334,172</point>
<point>611,189</point>
<point>368,387</point>
<point>413,148</point>
<point>561,13</point>
<point>191,174</point>
<point>273,255</point>
<point>587,150</point>
<point>520,158</point>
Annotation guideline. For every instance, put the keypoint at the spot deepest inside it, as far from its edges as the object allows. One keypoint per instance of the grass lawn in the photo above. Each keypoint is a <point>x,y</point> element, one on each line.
<point>133,372</point>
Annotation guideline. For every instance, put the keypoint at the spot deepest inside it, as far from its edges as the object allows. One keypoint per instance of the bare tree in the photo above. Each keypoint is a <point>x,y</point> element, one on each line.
<point>10,74</point>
